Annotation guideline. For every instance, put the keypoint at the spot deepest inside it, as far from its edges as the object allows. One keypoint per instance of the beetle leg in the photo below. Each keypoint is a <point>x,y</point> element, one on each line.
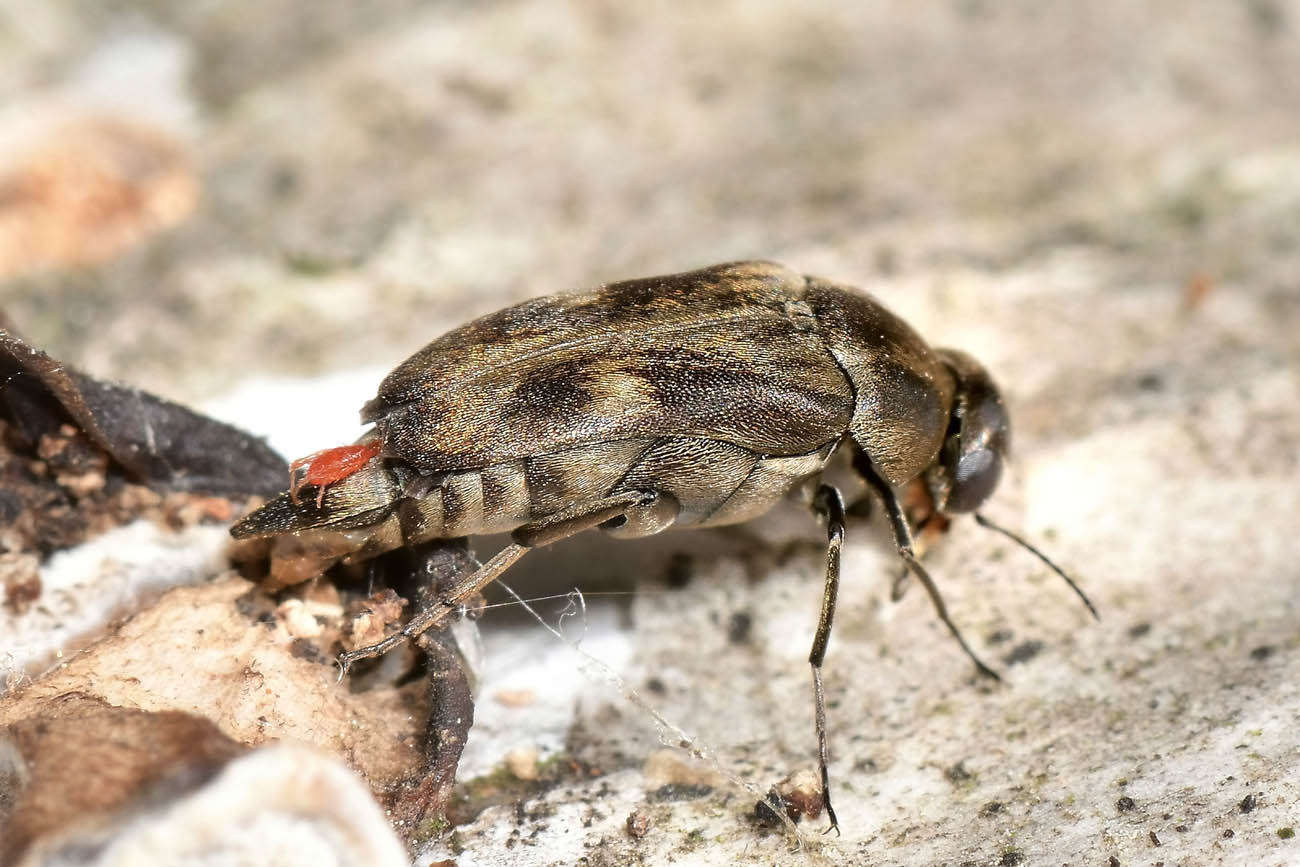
<point>861,508</point>
<point>583,516</point>
<point>903,542</point>
<point>926,534</point>
<point>437,612</point>
<point>830,504</point>
<point>424,795</point>
<point>552,528</point>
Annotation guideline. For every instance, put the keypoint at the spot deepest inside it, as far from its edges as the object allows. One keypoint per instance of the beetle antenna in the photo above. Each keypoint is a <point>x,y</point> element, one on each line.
<point>1078,591</point>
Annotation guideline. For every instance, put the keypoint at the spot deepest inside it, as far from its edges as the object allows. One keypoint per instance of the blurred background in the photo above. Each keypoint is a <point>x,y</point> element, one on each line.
<point>196,193</point>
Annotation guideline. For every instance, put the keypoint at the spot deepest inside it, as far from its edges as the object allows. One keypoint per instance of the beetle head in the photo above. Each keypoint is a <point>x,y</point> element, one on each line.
<point>978,440</point>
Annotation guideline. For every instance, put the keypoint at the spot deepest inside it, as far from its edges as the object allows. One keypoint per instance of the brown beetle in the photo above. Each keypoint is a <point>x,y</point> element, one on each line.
<point>690,400</point>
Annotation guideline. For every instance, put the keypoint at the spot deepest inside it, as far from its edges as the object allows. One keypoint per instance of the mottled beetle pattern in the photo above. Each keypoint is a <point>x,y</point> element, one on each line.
<point>691,400</point>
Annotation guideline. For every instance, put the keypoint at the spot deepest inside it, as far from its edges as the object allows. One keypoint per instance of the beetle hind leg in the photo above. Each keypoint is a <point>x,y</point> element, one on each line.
<point>544,531</point>
<point>438,611</point>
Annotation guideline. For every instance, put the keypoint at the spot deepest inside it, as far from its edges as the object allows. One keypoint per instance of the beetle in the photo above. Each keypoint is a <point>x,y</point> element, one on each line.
<point>696,399</point>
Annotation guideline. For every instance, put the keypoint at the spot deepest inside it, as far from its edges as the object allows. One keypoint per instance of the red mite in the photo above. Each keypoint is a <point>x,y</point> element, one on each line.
<point>325,467</point>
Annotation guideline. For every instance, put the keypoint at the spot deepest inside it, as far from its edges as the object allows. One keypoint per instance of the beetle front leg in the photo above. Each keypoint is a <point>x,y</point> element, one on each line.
<point>928,526</point>
<point>861,508</point>
<point>830,504</point>
<point>927,533</point>
<point>903,543</point>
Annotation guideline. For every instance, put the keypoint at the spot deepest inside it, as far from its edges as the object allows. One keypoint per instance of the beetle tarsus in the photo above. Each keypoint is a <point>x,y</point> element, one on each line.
<point>541,532</point>
<point>941,609</point>
<point>347,659</point>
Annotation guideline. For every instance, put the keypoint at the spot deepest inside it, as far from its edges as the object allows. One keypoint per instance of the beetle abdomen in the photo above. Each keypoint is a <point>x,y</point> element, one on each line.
<point>490,500</point>
<point>711,482</point>
<point>501,497</point>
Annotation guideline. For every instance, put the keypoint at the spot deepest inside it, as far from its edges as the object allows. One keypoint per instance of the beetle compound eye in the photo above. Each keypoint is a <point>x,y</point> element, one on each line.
<point>978,440</point>
<point>974,480</point>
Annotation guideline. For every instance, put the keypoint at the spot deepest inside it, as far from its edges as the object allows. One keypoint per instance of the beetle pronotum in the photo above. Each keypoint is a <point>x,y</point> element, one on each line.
<point>690,400</point>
